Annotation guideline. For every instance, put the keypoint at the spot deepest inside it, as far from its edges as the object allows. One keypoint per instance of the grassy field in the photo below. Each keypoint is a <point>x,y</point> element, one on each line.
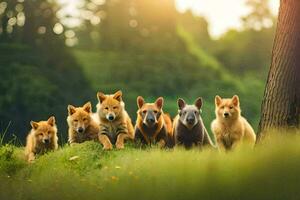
<point>270,171</point>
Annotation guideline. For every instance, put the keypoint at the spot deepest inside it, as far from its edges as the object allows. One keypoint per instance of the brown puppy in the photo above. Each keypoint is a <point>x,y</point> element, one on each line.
<point>115,123</point>
<point>82,126</point>
<point>41,138</point>
<point>229,127</point>
<point>152,125</point>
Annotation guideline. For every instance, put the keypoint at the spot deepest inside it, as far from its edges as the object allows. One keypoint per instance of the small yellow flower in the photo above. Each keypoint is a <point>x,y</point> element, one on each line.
<point>114,178</point>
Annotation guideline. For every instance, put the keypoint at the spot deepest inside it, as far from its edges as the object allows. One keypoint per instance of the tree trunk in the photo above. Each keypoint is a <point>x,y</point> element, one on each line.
<point>281,103</point>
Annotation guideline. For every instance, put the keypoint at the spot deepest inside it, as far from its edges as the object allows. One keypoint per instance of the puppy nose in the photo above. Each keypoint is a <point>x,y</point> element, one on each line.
<point>190,120</point>
<point>80,129</point>
<point>46,141</point>
<point>226,114</point>
<point>150,120</point>
<point>110,117</point>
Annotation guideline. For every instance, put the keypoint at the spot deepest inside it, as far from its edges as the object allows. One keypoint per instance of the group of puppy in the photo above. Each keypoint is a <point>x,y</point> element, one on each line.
<point>112,126</point>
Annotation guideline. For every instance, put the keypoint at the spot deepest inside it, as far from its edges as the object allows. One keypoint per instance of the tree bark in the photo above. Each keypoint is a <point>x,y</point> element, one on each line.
<point>281,102</point>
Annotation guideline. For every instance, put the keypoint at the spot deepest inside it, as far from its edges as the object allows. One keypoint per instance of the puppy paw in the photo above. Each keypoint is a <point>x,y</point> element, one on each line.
<point>108,147</point>
<point>119,145</point>
<point>31,160</point>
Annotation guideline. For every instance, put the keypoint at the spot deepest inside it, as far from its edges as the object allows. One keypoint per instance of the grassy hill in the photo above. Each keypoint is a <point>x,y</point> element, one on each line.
<point>271,171</point>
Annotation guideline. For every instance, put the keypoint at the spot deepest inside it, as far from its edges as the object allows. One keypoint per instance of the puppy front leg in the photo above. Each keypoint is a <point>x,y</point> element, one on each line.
<point>236,143</point>
<point>72,138</point>
<point>162,143</point>
<point>104,140</point>
<point>220,144</point>
<point>31,157</point>
<point>121,139</point>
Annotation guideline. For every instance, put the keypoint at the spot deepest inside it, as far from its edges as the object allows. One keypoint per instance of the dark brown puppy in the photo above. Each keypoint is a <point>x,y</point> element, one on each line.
<point>152,124</point>
<point>188,127</point>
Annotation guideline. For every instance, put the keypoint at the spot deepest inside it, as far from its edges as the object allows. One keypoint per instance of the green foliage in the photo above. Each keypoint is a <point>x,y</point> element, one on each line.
<point>38,75</point>
<point>34,87</point>
<point>245,52</point>
<point>196,26</point>
<point>141,29</point>
<point>30,22</point>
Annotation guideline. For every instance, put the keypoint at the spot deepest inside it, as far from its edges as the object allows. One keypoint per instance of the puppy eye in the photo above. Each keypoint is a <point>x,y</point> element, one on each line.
<point>115,107</point>
<point>196,112</point>
<point>49,132</point>
<point>106,108</point>
<point>231,107</point>
<point>144,111</point>
<point>155,111</point>
<point>84,119</point>
<point>223,107</point>
<point>40,134</point>
<point>75,120</point>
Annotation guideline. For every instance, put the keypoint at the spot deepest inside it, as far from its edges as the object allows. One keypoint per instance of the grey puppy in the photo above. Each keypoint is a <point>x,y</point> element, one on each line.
<point>188,127</point>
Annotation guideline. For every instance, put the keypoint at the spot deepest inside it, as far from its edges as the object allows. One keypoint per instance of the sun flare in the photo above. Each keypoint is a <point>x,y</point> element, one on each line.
<point>221,15</point>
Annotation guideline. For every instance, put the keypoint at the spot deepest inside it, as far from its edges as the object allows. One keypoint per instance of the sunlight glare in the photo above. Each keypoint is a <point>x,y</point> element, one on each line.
<point>221,15</point>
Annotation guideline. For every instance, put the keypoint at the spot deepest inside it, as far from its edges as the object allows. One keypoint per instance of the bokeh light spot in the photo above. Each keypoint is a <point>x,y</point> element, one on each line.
<point>95,20</point>
<point>70,34</point>
<point>12,21</point>
<point>133,23</point>
<point>42,30</point>
<point>58,28</point>
<point>98,2</point>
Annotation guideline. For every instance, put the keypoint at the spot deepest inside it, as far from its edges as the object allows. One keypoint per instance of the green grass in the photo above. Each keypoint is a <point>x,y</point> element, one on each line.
<point>270,171</point>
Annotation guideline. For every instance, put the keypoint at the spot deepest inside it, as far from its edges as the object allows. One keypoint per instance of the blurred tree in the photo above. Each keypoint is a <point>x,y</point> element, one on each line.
<point>260,15</point>
<point>281,103</point>
<point>245,52</point>
<point>42,28</point>
<point>132,25</point>
<point>197,26</point>
<point>39,77</point>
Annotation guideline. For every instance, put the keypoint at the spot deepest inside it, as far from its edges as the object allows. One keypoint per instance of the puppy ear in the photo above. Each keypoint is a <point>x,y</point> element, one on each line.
<point>51,121</point>
<point>218,100</point>
<point>87,107</point>
<point>71,109</point>
<point>235,100</point>
<point>159,102</point>
<point>199,103</point>
<point>140,101</point>
<point>181,103</point>
<point>34,124</point>
<point>118,95</point>
<point>101,96</point>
